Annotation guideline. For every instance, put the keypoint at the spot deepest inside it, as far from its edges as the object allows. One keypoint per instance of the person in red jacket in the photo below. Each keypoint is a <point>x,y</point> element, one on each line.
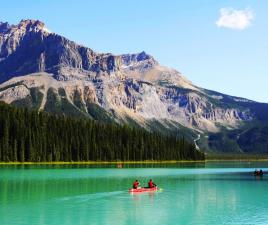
<point>151,184</point>
<point>136,184</point>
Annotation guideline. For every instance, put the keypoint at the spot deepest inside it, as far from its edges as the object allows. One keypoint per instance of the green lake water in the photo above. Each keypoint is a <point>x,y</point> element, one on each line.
<point>200,193</point>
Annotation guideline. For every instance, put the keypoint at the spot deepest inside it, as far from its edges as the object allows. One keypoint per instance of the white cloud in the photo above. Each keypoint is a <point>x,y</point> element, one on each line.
<point>235,19</point>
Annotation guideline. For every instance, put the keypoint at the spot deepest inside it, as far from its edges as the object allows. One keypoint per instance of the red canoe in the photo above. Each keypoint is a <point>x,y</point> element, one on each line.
<point>139,190</point>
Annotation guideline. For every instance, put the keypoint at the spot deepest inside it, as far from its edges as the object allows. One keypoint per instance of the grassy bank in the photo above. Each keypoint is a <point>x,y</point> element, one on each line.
<point>101,162</point>
<point>236,157</point>
<point>227,159</point>
<point>212,157</point>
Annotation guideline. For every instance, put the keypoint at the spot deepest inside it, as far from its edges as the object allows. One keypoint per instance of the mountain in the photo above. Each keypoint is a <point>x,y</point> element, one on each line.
<point>40,69</point>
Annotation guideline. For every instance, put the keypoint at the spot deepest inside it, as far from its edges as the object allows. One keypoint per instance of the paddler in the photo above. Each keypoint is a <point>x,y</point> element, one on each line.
<point>151,184</point>
<point>136,184</point>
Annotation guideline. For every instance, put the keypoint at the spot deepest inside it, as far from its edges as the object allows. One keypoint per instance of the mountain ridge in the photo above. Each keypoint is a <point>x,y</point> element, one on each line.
<point>43,70</point>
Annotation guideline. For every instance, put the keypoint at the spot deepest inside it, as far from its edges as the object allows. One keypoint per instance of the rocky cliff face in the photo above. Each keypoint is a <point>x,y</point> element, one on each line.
<point>41,69</point>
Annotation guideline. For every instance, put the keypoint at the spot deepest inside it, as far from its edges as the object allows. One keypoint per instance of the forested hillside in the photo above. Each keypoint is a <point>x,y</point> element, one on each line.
<point>32,136</point>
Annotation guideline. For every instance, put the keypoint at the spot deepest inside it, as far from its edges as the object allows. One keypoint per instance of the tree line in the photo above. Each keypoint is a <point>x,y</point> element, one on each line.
<point>31,136</point>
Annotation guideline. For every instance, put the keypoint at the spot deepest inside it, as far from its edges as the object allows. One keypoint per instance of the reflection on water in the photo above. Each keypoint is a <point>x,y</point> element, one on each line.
<point>214,193</point>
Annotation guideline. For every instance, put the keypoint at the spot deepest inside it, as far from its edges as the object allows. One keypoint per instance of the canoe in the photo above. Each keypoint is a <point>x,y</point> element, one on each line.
<point>258,173</point>
<point>143,189</point>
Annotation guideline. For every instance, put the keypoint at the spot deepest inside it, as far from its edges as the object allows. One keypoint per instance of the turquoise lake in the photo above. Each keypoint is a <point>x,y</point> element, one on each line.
<point>199,193</point>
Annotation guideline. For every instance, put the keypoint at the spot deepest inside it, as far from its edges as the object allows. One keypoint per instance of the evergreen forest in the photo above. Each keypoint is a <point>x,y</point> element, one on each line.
<point>32,136</point>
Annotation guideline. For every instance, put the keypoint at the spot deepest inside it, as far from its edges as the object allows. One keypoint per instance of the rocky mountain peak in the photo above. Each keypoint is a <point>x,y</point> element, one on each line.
<point>32,25</point>
<point>23,27</point>
<point>129,59</point>
<point>143,56</point>
<point>33,49</point>
<point>4,27</point>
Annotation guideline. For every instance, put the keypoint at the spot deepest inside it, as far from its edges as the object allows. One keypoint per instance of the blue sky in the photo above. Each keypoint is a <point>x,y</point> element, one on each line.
<point>230,57</point>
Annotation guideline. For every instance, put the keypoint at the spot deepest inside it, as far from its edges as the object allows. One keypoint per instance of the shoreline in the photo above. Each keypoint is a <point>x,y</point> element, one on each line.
<point>133,162</point>
<point>101,162</point>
